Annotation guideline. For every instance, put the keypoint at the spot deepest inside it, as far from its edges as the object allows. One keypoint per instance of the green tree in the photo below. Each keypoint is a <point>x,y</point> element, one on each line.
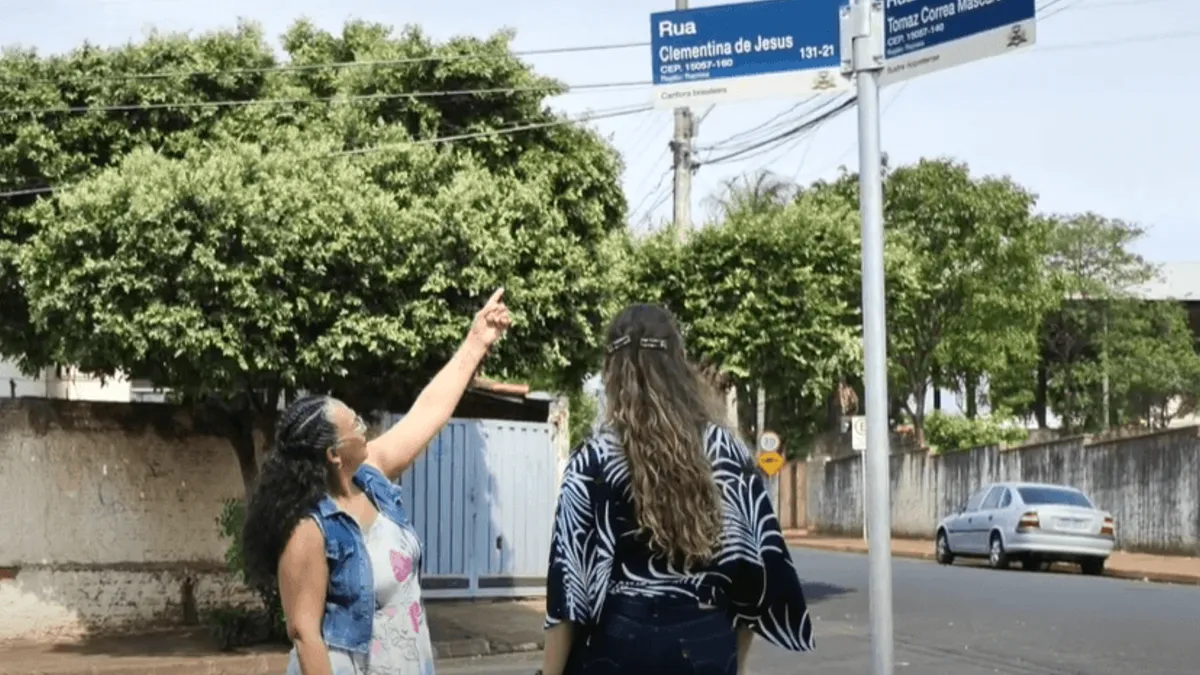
<point>766,295</point>
<point>754,193</point>
<point>1093,273</point>
<point>964,273</point>
<point>1154,368</point>
<point>46,140</point>
<point>954,433</point>
<point>249,251</point>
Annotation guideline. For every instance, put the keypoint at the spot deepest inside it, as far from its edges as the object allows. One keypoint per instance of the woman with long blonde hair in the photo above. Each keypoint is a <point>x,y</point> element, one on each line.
<point>666,555</point>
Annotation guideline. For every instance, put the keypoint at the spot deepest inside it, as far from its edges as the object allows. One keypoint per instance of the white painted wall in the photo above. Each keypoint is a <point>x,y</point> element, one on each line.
<point>63,383</point>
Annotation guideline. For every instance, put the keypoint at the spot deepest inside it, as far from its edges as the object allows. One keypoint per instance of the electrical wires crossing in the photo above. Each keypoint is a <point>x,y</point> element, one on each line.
<point>502,131</point>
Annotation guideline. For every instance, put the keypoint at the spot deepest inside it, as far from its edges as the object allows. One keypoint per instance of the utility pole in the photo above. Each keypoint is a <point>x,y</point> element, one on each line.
<point>681,150</point>
<point>862,23</point>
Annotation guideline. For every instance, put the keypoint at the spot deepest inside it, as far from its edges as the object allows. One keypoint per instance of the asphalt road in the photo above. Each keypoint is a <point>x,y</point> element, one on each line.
<point>965,620</point>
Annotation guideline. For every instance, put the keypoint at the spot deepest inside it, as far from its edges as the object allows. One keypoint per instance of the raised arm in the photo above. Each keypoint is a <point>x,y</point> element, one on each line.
<point>399,446</point>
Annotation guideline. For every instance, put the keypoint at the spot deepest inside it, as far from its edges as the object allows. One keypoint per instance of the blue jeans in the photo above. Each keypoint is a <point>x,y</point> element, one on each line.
<point>663,636</point>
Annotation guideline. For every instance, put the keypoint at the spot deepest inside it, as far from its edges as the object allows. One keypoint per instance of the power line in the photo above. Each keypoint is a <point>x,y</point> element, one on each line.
<point>654,190</point>
<point>502,131</point>
<point>338,65</point>
<point>763,131</point>
<point>354,98</point>
<point>845,105</point>
<point>741,134</point>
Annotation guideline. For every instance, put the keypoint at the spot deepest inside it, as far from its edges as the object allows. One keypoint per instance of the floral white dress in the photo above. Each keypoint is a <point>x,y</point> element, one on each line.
<point>400,643</point>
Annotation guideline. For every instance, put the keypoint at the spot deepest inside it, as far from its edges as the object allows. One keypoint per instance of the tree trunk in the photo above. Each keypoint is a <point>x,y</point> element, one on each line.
<point>1041,393</point>
<point>972,394</point>
<point>936,372</point>
<point>918,414</point>
<point>241,436</point>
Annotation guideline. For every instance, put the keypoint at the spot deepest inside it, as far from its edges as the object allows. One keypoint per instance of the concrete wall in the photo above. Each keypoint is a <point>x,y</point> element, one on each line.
<point>1150,483</point>
<point>109,517</point>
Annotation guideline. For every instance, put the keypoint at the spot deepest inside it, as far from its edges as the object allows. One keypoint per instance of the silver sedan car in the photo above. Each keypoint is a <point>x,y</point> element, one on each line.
<point>1033,523</point>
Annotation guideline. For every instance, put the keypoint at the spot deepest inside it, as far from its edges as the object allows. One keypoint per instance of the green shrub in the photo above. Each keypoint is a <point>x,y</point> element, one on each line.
<point>233,627</point>
<point>953,433</point>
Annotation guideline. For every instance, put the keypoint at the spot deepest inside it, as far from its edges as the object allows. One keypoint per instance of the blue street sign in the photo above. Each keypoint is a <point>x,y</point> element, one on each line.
<point>923,36</point>
<point>773,48</point>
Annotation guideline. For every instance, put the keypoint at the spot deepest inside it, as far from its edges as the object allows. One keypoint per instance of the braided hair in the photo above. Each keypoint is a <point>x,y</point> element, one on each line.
<point>293,478</point>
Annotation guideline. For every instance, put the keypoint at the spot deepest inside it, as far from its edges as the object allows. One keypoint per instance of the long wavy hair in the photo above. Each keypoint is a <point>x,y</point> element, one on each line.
<point>293,478</point>
<point>659,406</point>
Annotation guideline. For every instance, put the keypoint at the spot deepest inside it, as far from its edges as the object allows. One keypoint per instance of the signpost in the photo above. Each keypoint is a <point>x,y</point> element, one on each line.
<point>785,48</point>
<point>770,460</point>
<point>858,443</point>
<point>858,433</point>
<point>773,48</point>
<point>923,36</point>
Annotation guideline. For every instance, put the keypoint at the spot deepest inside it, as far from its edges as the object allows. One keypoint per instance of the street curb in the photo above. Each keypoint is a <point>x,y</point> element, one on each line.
<point>1158,578</point>
<point>274,663</point>
<point>257,664</point>
<point>473,647</point>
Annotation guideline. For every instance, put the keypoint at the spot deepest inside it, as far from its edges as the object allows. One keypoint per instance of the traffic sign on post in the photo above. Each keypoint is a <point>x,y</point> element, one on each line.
<point>770,462</point>
<point>773,48</point>
<point>858,433</point>
<point>924,36</point>
<point>769,441</point>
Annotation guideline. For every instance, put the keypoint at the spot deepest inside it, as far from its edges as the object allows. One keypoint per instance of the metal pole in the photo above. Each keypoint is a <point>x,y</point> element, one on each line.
<point>760,426</point>
<point>868,63</point>
<point>681,149</point>
<point>862,463</point>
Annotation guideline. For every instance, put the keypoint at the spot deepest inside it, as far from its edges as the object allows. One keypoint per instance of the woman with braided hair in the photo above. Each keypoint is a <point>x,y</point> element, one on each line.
<point>325,522</point>
<point>666,556</point>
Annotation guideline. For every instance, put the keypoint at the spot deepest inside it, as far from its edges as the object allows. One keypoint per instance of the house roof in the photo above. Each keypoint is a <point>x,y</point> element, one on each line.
<point>482,384</point>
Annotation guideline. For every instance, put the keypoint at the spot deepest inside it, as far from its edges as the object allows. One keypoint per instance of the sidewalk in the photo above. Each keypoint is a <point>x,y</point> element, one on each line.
<point>1141,566</point>
<point>458,629</point>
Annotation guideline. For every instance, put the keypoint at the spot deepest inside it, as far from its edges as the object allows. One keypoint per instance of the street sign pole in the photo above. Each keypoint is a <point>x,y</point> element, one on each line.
<point>785,48</point>
<point>863,27</point>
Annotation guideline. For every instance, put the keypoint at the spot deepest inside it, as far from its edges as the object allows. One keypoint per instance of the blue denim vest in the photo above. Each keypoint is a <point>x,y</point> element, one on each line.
<point>350,597</point>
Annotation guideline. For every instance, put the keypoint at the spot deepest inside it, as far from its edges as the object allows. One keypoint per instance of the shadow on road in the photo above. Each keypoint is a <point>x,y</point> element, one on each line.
<point>818,591</point>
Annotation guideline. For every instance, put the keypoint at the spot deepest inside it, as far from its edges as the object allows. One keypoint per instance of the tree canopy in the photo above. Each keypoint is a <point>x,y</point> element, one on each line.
<point>965,282</point>
<point>768,296</point>
<point>319,237</point>
<point>1011,309</point>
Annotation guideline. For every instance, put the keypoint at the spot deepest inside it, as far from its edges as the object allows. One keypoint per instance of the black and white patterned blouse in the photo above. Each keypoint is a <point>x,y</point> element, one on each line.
<point>752,576</point>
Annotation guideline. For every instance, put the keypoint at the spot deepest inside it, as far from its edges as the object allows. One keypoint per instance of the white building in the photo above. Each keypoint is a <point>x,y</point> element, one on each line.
<point>62,383</point>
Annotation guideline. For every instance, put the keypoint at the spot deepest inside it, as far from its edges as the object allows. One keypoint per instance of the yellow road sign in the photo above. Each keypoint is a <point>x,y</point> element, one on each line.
<point>770,462</point>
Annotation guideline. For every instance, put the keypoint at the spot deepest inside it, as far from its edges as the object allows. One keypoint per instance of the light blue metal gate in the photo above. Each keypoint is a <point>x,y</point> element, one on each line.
<point>482,499</point>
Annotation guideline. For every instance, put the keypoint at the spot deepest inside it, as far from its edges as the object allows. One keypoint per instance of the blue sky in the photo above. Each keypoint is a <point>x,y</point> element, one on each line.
<point>1096,117</point>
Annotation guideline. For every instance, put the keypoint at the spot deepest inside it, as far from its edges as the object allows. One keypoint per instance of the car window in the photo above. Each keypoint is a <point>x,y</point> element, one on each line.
<point>1006,500</point>
<point>993,499</point>
<point>1038,496</point>
<point>974,502</point>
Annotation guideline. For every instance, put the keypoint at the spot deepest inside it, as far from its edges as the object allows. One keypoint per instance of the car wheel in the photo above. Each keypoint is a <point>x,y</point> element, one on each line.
<point>997,557</point>
<point>944,555</point>
<point>1093,567</point>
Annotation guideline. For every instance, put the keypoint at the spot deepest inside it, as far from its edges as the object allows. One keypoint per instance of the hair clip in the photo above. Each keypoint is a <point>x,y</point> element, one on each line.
<point>653,343</point>
<point>617,344</point>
